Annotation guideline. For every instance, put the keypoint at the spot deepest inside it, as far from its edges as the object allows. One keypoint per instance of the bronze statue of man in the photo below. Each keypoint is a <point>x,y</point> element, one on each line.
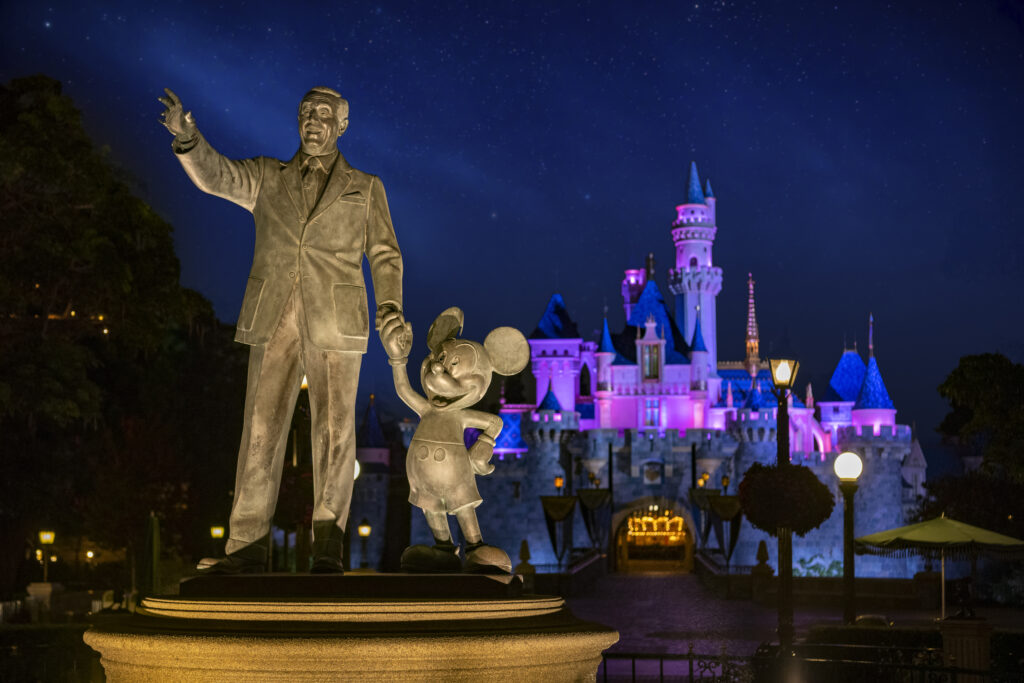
<point>304,312</point>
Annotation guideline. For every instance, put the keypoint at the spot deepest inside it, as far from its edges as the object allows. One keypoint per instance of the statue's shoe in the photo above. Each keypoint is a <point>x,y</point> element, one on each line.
<point>439,559</point>
<point>231,564</point>
<point>486,559</point>
<point>327,565</point>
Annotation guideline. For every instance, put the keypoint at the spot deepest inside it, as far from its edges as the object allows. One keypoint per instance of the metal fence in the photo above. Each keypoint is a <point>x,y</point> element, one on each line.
<point>849,663</point>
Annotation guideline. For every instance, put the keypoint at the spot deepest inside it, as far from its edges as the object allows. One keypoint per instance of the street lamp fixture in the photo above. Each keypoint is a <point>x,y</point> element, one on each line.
<point>848,467</point>
<point>784,375</point>
<point>725,484</point>
<point>216,532</point>
<point>784,372</point>
<point>559,484</point>
<point>364,530</point>
<point>46,538</point>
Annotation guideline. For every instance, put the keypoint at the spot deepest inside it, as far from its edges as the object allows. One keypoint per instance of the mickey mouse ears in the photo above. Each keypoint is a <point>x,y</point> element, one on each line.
<point>447,325</point>
<point>508,349</point>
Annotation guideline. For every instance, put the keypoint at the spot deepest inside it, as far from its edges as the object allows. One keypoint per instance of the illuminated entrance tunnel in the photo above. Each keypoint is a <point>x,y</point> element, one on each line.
<point>653,537</point>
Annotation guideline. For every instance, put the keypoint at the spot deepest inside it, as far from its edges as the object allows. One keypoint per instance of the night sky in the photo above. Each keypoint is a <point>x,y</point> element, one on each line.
<point>866,156</point>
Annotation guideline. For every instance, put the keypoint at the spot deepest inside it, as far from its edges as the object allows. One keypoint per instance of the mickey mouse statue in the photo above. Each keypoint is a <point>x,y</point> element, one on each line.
<point>441,470</point>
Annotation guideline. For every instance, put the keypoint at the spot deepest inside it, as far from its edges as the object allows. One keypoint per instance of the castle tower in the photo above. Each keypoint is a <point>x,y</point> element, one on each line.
<point>753,358</point>
<point>873,408</point>
<point>555,347</point>
<point>695,281</point>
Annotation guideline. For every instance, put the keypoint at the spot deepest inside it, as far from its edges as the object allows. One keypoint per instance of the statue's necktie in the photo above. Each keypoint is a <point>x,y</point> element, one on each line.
<point>312,181</point>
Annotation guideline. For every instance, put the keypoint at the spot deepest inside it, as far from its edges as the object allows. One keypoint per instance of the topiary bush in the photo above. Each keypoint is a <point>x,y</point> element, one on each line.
<point>789,496</point>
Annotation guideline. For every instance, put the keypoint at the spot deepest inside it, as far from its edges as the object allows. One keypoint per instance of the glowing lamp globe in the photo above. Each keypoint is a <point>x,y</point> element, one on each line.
<point>358,470</point>
<point>47,537</point>
<point>848,466</point>
<point>364,528</point>
<point>216,532</point>
<point>784,372</point>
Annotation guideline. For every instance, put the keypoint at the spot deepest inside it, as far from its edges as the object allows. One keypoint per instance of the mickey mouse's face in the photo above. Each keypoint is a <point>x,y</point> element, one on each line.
<point>456,374</point>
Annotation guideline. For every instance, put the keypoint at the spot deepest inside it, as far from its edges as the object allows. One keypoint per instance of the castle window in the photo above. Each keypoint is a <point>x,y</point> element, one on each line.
<point>585,380</point>
<point>693,262</point>
<point>651,361</point>
<point>652,410</point>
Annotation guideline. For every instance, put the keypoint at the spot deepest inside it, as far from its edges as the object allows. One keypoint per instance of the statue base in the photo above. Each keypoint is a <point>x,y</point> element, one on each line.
<point>274,627</point>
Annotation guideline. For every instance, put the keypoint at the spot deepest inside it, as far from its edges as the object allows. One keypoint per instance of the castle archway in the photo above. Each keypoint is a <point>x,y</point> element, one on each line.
<point>654,535</point>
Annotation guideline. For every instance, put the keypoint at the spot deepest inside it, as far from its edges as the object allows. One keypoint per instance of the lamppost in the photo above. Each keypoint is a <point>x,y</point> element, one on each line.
<point>364,530</point>
<point>559,484</point>
<point>784,375</point>
<point>46,538</point>
<point>848,467</point>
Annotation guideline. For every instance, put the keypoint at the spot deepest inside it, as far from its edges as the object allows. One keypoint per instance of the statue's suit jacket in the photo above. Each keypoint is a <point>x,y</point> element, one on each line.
<point>324,248</point>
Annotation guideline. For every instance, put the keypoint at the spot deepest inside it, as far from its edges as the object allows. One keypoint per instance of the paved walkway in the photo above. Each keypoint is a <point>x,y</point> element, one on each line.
<point>666,613</point>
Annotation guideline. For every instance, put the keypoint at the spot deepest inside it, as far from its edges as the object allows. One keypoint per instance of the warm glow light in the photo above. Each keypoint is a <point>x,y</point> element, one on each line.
<point>358,470</point>
<point>216,532</point>
<point>305,382</point>
<point>559,482</point>
<point>89,554</point>
<point>39,555</point>
<point>47,537</point>
<point>53,558</point>
<point>364,528</point>
<point>783,372</point>
<point>848,466</point>
<point>101,318</point>
<point>106,331</point>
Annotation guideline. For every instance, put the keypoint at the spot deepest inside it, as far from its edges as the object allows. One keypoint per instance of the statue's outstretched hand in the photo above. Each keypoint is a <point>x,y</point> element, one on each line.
<point>174,118</point>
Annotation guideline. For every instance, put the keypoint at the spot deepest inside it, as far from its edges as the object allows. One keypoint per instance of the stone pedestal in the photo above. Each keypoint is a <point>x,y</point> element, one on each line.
<point>356,627</point>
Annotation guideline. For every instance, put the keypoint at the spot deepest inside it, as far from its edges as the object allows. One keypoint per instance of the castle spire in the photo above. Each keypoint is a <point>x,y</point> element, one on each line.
<point>871,335</point>
<point>695,195</point>
<point>707,189</point>
<point>753,359</point>
<point>698,337</point>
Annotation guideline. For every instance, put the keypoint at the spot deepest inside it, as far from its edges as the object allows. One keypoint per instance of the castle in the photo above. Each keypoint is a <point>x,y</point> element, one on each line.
<point>652,414</point>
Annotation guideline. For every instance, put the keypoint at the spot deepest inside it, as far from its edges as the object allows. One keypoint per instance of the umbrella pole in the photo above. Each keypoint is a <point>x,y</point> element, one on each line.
<point>942,565</point>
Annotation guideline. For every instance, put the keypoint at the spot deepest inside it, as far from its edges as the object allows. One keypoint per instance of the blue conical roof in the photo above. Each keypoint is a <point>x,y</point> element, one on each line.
<point>872,392</point>
<point>550,402</point>
<point>694,195</point>
<point>707,189</point>
<point>652,303</point>
<point>847,378</point>
<point>758,399</point>
<point>555,323</point>
<point>606,345</point>
<point>370,434</point>
<point>698,339</point>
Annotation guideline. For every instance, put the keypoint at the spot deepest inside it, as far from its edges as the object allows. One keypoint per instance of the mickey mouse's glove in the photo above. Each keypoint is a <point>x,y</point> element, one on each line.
<point>480,455</point>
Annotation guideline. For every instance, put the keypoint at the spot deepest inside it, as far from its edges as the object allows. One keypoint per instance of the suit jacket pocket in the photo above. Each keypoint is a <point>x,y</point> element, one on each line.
<point>350,310</point>
<point>250,304</point>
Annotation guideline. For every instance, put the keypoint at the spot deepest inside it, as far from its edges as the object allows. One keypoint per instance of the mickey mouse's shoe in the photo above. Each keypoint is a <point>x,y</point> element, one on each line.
<point>486,559</point>
<point>423,559</point>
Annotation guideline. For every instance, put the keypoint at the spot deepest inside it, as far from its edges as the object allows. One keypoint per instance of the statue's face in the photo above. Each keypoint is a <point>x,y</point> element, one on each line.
<point>455,375</point>
<point>319,127</point>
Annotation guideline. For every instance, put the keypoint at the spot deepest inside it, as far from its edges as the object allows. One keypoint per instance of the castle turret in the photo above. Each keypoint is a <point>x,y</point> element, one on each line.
<point>695,281</point>
<point>873,408</point>
<point>555,347</point>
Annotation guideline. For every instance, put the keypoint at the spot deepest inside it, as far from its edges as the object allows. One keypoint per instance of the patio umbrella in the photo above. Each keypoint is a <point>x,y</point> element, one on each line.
<point>940,537</point>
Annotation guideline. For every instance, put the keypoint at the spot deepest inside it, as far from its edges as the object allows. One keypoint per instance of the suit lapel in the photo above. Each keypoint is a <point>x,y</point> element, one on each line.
<point>291,175</point>
<point>337,183</point>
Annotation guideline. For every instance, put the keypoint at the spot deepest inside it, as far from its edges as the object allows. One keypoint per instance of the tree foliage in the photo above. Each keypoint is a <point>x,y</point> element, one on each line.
<point>789,496</point>
<point>986,418</point>
<point>120,392</point>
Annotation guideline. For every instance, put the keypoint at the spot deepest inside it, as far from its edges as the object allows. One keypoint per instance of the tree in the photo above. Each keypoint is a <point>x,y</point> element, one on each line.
<point>118,388</point>
<point>986,418</point>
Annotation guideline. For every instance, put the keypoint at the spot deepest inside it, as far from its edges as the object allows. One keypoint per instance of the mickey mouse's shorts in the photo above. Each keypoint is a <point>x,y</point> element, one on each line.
<point>441,478</point>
